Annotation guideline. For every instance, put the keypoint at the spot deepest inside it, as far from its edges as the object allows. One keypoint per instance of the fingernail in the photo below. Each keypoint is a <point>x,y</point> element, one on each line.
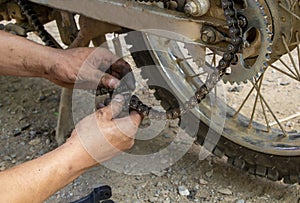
<point>113,83</point>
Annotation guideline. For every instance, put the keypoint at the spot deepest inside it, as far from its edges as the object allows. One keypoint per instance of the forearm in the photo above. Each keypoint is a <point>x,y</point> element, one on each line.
<point>21,57</point>
<point>38,179</point>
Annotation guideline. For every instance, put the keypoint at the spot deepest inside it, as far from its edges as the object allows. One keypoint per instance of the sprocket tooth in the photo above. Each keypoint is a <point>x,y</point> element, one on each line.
<point>262,69</point>
<point>231,82</point>
<point>269,50</point>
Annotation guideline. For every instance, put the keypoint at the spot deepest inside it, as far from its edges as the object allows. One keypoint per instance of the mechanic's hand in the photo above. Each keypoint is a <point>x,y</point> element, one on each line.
<point>86,67</point>
<point>103,136</point>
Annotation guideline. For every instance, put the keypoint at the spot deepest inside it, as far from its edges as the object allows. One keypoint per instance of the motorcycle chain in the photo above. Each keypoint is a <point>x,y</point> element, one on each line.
<point>36,23</point>
<point>135,104</point>
<point>235,34</point>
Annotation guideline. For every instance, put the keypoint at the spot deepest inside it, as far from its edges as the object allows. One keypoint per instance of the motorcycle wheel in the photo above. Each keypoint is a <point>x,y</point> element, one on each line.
<point>272,153</point>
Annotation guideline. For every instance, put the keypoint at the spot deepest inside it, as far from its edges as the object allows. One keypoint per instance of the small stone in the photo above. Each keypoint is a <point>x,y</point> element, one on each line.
<point>192,195</point>
<point>16,132</point>
<point>2,168</point>
<point>159,173</point>
<point>284,83</point>
<point>209,174</point>
<point>42,98</point>
<point>13,161</point>
<point>1,105</point>
<point>153,199</point>
<point>289,124</point>
<point>11,89</point>
<point>183,191</point>
<point>7,158</point>
<point>159,184</point>
<point>225,191</point>
<point>47,142</point>
<point>240,201</point>
<point>202,181</point>
<point>167,201</point>
<point>35,141</point>
<point>25,127</point>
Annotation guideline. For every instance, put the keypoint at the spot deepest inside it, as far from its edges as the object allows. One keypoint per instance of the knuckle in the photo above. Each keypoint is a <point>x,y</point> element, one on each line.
<point>99,113</point>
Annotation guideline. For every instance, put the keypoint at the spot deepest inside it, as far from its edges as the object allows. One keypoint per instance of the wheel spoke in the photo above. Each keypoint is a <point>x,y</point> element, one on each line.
<point>189,78</point>
<point>288,10</point>
<point>283,72</point>
<point>287,118</point>
<point>288,67</point>
<point>271,111</point>
<point>214,60</point>
<point>298,48</point>
<point>265,115</point>
<point>256,99</point>
<point>180,60</point>
<point>290,55</point>
<point>245,100</point>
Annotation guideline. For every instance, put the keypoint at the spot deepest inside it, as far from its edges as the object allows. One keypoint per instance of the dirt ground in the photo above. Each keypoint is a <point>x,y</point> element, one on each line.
<point>29,110</point>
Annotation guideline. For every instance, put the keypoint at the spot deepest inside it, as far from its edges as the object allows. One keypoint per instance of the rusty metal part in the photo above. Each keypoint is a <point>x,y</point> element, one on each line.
<point>208,35</point>
<point>11,10</point>
<point>92,29</point>
<point>123,11</point>
<point>66,26</point>
<point>15,29</point>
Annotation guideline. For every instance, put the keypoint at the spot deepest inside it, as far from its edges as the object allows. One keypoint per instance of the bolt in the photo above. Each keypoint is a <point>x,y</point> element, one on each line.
<point>196,7</point>
<point>228,71</point>
<point>173,5</point>
<point>208,35</point>
<point>190,8</point>
<point>246,44</point>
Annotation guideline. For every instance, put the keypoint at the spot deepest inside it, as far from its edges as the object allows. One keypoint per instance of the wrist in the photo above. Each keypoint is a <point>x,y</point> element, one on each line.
<point>51,61</point>
<point>79,158</point>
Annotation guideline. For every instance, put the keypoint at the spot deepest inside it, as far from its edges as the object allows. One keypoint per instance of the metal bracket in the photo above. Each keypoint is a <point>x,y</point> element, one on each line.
<point>102,193</point>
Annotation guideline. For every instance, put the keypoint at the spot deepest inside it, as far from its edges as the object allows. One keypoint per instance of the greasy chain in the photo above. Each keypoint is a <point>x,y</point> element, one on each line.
<point>135,104</point>
<point>235,34</point>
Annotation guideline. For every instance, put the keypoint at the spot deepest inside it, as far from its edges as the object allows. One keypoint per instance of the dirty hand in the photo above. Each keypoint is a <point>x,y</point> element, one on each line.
<point>102,135</point>
<point>85,68</point>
